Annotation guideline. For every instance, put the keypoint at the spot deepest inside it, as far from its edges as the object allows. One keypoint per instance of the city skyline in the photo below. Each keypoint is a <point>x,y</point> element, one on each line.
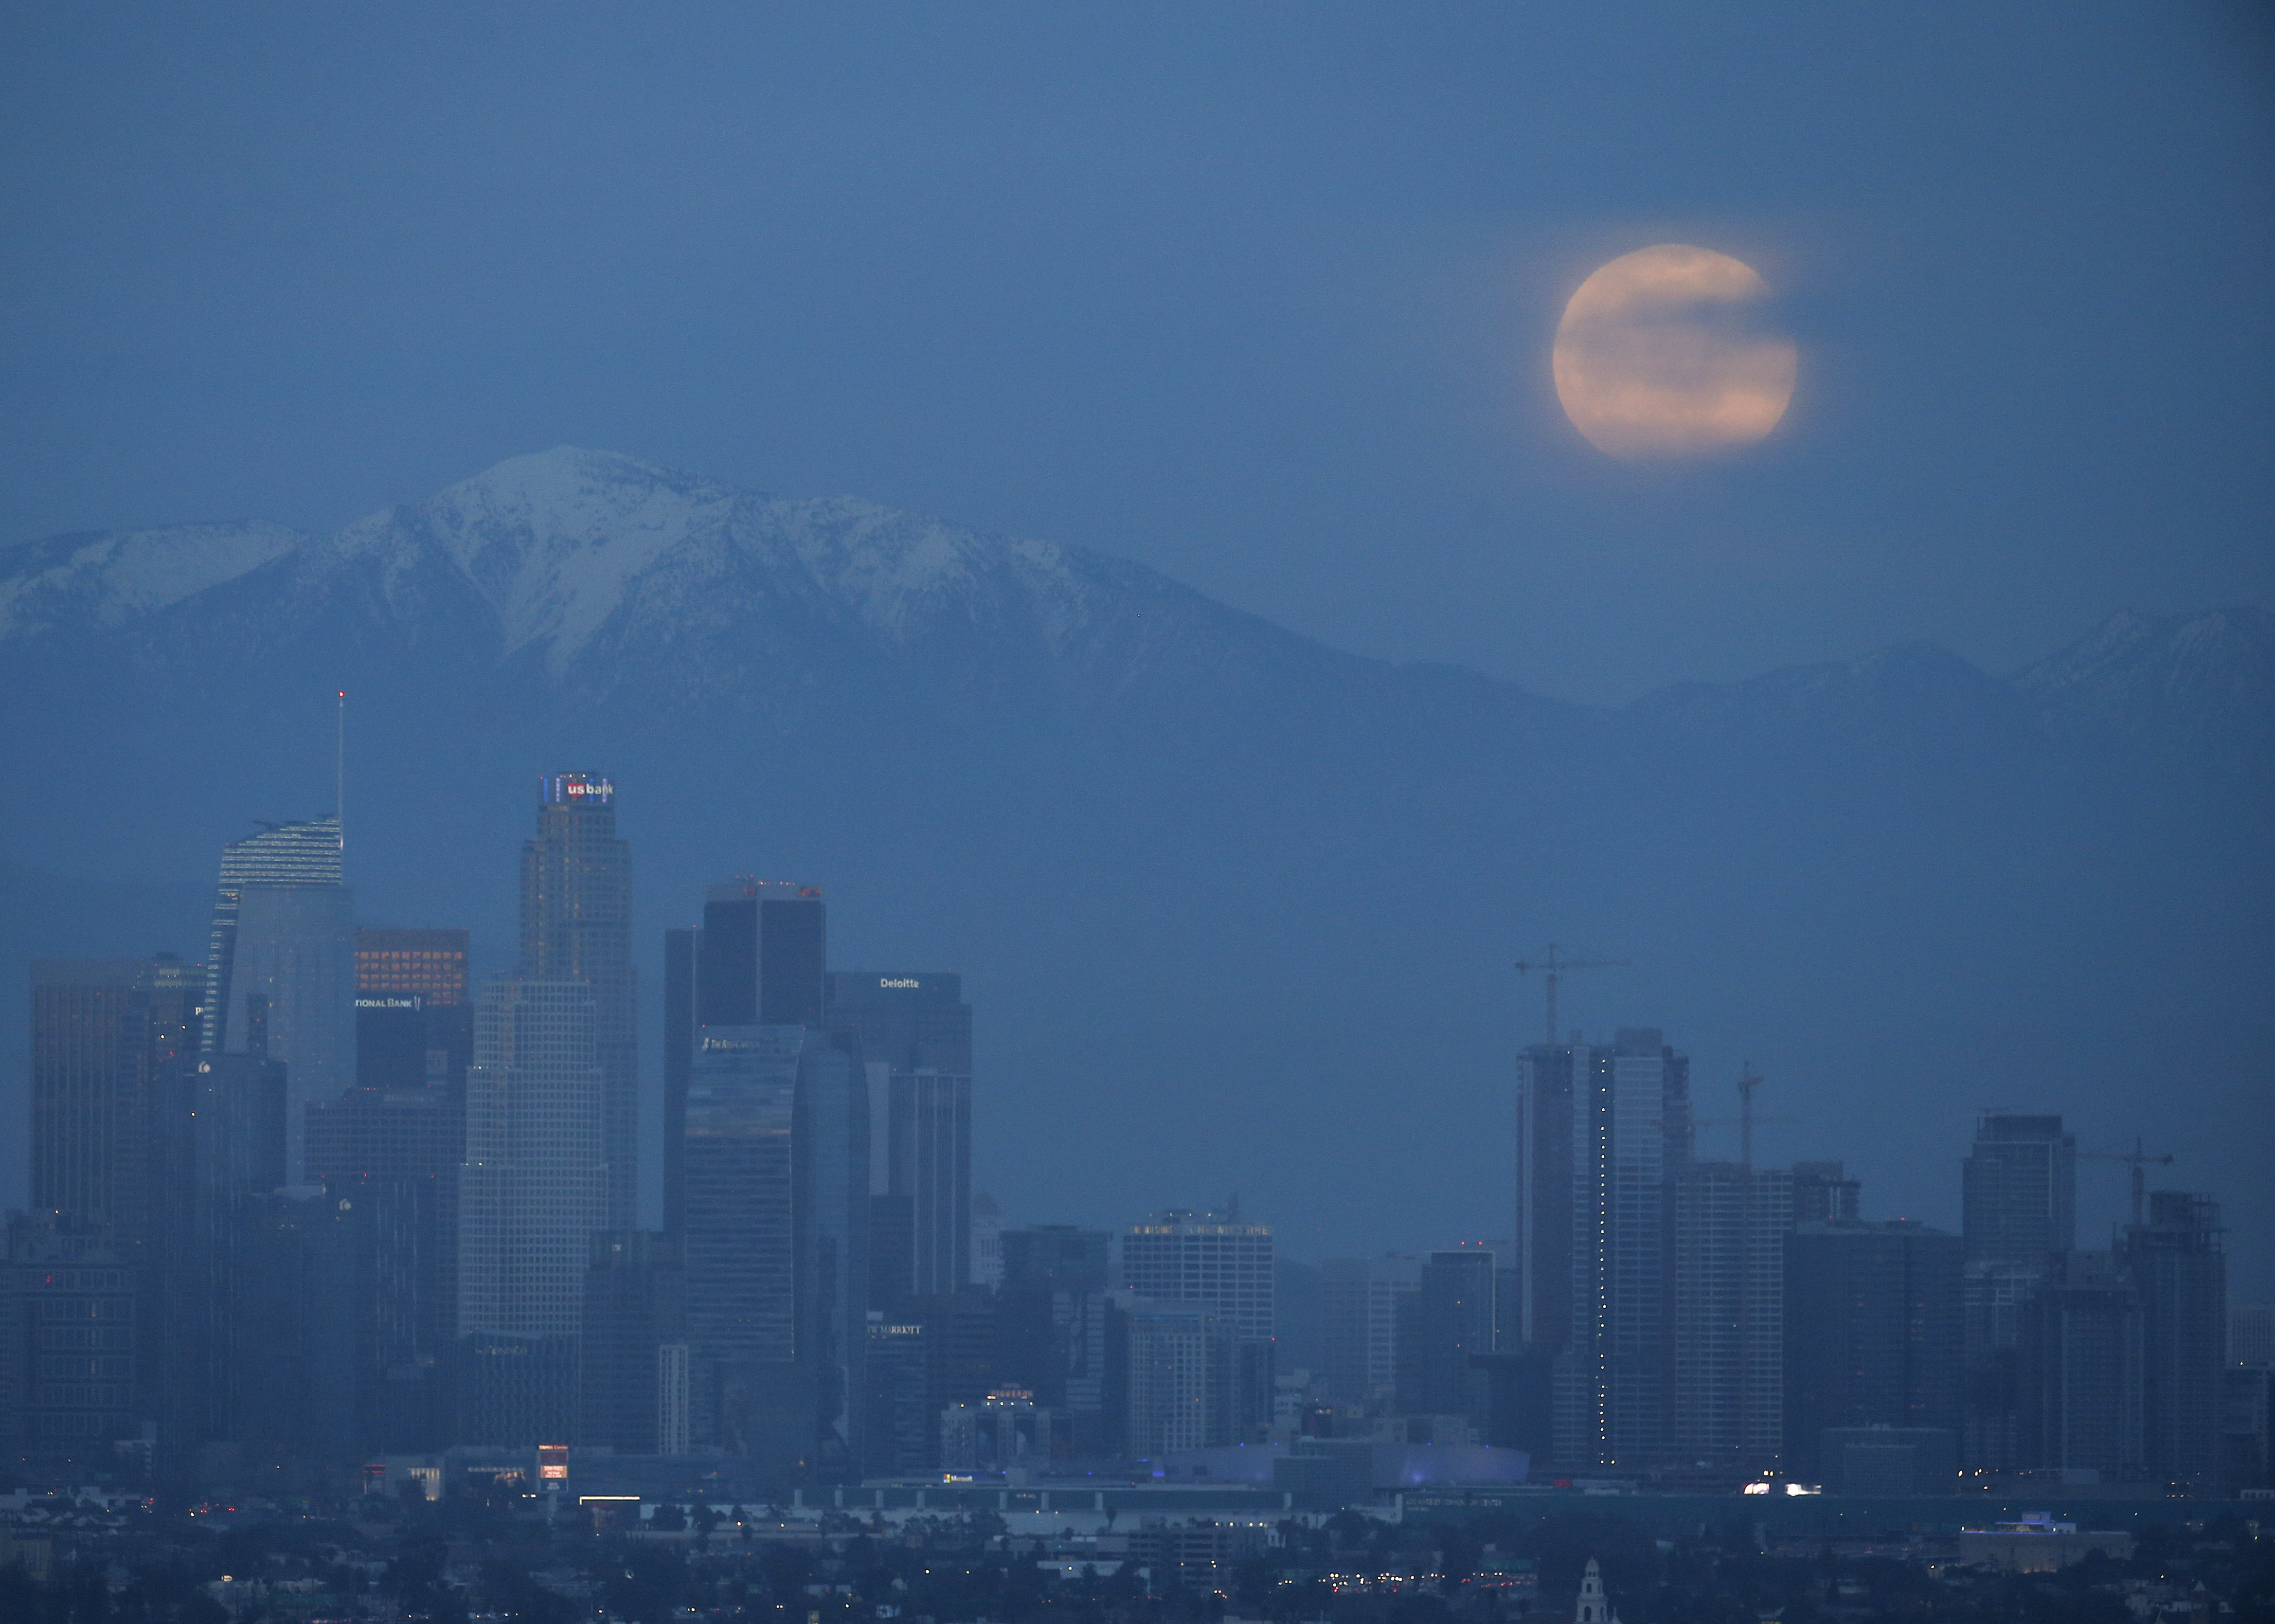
<point>2108,1185</point>
<point>1163,814</point>
<point>437,1261</point>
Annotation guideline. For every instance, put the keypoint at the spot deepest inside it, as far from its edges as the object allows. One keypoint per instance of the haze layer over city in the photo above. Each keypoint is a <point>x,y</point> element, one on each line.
<point>1314,577</point>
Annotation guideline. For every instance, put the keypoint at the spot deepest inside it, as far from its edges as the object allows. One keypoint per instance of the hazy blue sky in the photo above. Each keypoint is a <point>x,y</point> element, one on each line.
<point>1260,294</point>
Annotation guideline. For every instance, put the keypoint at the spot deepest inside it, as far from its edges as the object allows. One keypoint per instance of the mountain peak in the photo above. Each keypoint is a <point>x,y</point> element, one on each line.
<point>2171,675</point>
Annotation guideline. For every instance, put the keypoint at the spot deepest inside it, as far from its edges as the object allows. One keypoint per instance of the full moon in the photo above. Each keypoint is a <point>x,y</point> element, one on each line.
<point>1655,355</point>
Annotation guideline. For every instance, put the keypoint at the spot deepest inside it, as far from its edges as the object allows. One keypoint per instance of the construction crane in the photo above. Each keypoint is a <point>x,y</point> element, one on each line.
<point>2136,1159</point>
<point>1553,968</point>
<point>1747,1082</point>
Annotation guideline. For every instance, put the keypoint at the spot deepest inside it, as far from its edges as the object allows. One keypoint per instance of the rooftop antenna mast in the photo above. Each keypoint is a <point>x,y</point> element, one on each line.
<point>340,772</point>
<point>1553,968</point>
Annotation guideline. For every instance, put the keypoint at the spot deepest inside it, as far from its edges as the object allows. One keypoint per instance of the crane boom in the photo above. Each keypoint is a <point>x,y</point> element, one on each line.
<point>1553,968</point>
<point>2136,1159</point>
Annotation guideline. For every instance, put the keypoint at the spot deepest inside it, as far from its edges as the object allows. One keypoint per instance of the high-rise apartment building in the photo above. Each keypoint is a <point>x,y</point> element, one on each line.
<point>576,926</point>
<point>280,970</point>
<point>1729,1334</point>
<point>533,1192</point>
<point>1871,1334</point>
<point>2018,1202</point>
<point>2018,1213</point>
<point>1602,1133</point>
<point>915,1033</point>
<point>2180,1273</point>
<point>1183,1376</point>
<point>1184,1257</point>
<point>1215,1257</point>
<point>1551,1081</point>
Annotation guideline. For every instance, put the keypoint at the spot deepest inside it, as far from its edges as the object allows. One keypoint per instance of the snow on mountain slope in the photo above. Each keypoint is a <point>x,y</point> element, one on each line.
<point>607,570</point>
<point>108,579</point>
<point>2176,676</point>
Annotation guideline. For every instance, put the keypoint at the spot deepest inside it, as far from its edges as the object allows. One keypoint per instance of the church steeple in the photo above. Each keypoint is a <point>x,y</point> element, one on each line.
<point>1592,1608</point>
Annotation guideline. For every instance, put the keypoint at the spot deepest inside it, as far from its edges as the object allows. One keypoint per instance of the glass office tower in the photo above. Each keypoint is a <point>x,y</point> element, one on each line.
<point>282,944</point>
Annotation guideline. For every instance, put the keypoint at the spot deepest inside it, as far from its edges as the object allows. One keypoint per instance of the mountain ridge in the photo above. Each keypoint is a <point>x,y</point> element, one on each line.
<point>591,563</point>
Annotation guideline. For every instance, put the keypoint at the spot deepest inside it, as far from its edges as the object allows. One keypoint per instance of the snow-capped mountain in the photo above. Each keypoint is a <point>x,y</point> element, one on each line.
<point>604,573</point>
<point>600,571</point>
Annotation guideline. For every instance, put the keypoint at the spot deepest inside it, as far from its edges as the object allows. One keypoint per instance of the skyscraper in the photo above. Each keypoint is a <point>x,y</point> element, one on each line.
<point>576,926</point>
<point>1057,1257</point>
<point>763,958</point>
<point>1871,1333</point>
<point>774,1250</point>
<point>72,1367</point>
<point>678,1066</point>
<point>226,1161</point>
<point>2078,1371</point>
<point>112,1041</point>
<point>1602,1133</point>
<point>915,1033</point>
<point>283,934</point>
<point>631,1356</point>
<point>304,853</point>
<point>1182,1376</point>
<point>1217,1257</point>
<point>2018,1204</point>
<point>1728,1334</point>
<point>738,1245</point>
<point>430,962</point>
<point>414,1027</point>
<point>533,1191</point>
<point>1358,1313</point>
<point>1449,1322</point>
<point>759,959</point>
<point>2180,1273</point>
